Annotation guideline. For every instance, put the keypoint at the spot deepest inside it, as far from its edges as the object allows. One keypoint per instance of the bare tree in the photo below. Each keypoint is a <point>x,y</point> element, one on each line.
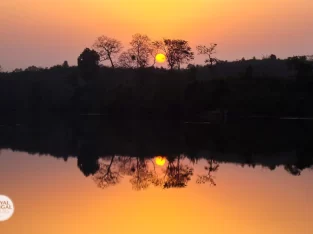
<point>141,48</point>
<point>208,51</point>
<point>213,167</point>
<point>107,47</point>
<point>177,176</point>
<point>154,51</point>
<point>142,177</point>
<point>106,176</point>
<point>126,165</point>
<point>1,70</point>
<point>127,59</point>
<point>177,51</point>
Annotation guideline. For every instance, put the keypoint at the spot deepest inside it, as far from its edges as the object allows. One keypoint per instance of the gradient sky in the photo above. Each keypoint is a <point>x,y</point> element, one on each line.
<point>47,32</point>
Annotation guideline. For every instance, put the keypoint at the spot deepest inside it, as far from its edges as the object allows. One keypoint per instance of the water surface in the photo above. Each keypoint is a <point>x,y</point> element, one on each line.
<point>66,185</point>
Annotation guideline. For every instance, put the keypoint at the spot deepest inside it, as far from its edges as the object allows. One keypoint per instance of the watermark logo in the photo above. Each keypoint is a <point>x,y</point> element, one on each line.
<point>6,208</point>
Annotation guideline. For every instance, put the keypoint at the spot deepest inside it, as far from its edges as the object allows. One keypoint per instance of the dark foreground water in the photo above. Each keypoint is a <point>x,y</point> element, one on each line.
<point>96,177</point>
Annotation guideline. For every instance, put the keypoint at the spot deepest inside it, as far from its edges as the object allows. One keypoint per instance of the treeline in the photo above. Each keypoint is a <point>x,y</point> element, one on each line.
<point>269,87</point>
<point>157,93</point>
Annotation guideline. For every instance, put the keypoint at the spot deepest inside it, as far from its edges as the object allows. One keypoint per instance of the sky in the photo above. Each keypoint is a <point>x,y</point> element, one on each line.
<point>47,32</point>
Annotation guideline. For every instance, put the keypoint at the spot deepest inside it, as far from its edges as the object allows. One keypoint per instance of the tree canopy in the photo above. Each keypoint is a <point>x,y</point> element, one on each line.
<point>141,49</point>
<point>177,52</point>
<point>208,51</point>
<point>88,63</point>
<point>107,48</point>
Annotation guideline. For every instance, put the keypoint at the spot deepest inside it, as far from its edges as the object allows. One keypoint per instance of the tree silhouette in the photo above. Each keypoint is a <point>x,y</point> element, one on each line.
<point>292,169</point>
<point>142,176</point>
<point>65,64</point>
<point>155,50</point>
<point>1,70</point>
<point>87,162</point>
<point>301,65</point>
<point>191,66</point>
<point>107,47</point>
<point>141,49</point>
<point>126,165</point>
<point>177,176</point>
<point>106,176</point>
<point>17,70</point>
<point>88,63</point>
<point>127,59</point>
<point>211,168</point>
<point>33,69</point>
<point>295,61</point>
<point>177,51</point>
<point>208,51</point>
<point>273,57</point>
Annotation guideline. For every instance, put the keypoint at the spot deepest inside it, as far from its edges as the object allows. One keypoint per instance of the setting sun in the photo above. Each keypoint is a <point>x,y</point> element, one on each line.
<point>160,58</point>
<point>160,160</point>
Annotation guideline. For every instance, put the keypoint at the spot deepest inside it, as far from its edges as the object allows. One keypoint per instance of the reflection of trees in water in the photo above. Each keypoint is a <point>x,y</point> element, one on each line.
<point>141,173</point>
<point>292,169</point>
<point>108,174</point>
<point>109,171</point>
<point>212,167</point>
<point>126,165</point>
<point>270,144</point>
<point>142,176</point>
<point>177,175</point>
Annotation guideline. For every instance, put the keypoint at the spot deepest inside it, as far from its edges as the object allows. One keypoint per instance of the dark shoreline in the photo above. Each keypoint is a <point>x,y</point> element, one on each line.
<point>267,143</point>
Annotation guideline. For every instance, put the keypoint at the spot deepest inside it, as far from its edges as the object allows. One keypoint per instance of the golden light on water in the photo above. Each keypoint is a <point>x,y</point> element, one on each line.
<point>239,208</point>
<point>160,160</point>
<point>160,58</point>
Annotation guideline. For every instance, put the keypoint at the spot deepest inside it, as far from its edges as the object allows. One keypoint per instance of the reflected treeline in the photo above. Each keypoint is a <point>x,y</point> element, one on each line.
<point>110,150</point>
<point>209,177</point>
<point>143,172</point>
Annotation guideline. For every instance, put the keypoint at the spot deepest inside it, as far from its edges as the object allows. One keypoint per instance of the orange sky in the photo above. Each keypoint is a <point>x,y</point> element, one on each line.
<point>47,32</point>
<point>52,196</point>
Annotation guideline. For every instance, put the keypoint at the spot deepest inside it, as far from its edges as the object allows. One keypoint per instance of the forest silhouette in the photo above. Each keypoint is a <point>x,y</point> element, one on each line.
<point>110,150</point>
<point>133,86</point>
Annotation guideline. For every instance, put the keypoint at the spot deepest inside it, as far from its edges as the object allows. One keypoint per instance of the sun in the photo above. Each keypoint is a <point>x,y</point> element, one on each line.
<point>160,160</point>
<point>160,58</point>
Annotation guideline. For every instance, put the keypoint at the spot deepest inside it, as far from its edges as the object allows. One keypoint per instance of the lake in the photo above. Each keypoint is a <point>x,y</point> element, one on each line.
<point>88,175</point>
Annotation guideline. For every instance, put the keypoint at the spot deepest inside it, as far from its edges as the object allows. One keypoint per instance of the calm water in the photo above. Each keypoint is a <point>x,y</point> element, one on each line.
<point>62,183</point>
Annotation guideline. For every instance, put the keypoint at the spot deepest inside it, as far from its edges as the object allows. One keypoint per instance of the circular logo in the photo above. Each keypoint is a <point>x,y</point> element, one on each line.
<point>6,208</point>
